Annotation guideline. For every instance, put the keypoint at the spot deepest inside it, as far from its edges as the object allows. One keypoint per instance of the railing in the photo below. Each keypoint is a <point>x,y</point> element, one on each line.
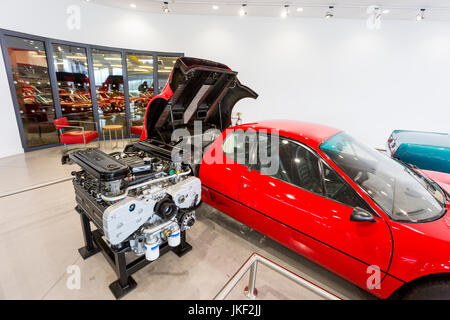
<point>252,265</point>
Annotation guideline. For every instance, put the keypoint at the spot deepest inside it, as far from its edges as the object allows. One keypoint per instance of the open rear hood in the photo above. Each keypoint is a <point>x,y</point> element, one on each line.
<point>199,90</point>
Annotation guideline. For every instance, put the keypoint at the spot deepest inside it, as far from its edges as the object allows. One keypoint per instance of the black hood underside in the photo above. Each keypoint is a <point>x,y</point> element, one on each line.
<point>202,90</point>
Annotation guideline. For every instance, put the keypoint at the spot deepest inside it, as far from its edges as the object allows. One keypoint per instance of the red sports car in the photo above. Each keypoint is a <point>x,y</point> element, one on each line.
<point>315,189</point>
<point>374,221</point>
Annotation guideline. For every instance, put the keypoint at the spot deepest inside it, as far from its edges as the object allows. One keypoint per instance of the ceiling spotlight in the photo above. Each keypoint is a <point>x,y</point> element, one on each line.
<point>374,18</point>
<point>421,15</point>
<point>165,7</point>
<point>132,5</point>
<point>386,11</point>
<point>299,9</point>
<point>285,11</point>
<point>243,12</point>
<point>330,13</point>
<point>215,7</point>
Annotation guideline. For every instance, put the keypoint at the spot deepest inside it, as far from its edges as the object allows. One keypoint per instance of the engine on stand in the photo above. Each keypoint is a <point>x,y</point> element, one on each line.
<point>141,201</point>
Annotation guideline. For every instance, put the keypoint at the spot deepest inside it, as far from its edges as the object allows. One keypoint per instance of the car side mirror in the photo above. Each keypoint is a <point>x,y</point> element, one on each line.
<point>361,215</point>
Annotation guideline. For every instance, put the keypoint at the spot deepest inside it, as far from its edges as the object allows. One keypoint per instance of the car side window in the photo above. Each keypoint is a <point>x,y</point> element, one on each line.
<point>238,144</point>
<point>339,190</point>
<point>290,162</point>
<point>265,162</point>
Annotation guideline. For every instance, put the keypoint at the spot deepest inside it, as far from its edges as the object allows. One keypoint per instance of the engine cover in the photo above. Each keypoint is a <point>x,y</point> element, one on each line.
<point>186,193</point>
<point>123,218</point>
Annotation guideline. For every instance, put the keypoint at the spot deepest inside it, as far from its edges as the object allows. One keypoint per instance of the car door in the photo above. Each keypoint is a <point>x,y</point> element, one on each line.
<point>311,207</point>
<point>222,168</point>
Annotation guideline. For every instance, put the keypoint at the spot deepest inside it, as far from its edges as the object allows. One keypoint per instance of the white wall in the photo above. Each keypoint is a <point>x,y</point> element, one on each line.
<point>333,72</point>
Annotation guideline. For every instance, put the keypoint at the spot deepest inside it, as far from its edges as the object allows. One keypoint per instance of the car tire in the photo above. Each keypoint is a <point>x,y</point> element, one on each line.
<point>435,289</point>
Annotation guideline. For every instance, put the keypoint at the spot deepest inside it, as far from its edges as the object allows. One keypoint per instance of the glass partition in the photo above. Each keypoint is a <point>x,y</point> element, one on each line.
<point>165,65</point>
<point>73,83</point>
<point>31,80</point>
<point>109,87</point>
<point>140,88</point>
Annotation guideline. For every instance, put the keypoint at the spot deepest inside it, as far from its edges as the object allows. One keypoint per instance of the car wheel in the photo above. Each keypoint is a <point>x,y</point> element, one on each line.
<point>436,289</point>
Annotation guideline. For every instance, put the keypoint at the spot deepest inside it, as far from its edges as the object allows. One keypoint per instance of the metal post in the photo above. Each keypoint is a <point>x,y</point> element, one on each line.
<point>155,75</point>
<point>110,140</point>
<point>117,142</point>
<point>250,291</point>
<point>126,93</point>
<point>53,79</point>
<point>93,91</point>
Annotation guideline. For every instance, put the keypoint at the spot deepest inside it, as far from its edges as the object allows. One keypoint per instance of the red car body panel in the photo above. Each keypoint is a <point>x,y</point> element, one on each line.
<point>320,228</point>
<point>421,249</point>
<point>165,94</point>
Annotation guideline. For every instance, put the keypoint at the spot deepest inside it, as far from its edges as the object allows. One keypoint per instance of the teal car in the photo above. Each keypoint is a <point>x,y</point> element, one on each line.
<point>425,150</point>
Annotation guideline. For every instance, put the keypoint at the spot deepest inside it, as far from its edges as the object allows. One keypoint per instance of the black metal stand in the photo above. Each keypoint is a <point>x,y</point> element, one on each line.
<point>89,249</point>
<point>184,247</point>
<point>116,256</point>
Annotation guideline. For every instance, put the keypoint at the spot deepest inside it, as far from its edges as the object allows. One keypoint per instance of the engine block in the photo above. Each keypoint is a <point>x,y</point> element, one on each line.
<point>135,198</point>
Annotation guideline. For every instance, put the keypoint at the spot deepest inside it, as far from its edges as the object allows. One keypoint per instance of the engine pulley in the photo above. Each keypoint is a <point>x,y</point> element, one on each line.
<point>166,209</point>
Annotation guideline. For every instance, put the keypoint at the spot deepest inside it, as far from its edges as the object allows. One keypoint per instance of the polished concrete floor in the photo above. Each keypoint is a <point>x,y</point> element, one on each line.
<point>40,233</point>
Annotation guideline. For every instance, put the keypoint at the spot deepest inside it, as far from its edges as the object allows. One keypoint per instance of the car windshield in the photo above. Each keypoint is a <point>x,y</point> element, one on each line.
<point>402,193</point>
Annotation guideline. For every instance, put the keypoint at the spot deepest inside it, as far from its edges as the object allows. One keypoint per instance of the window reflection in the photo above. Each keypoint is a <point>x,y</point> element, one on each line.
<point>73,83</point>
<point>140,87</point>
<point>165,66</point>
<point>31,80</point>
<point>109,87</point>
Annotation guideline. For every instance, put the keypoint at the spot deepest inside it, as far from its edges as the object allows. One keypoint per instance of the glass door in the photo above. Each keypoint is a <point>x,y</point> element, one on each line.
<point>140,88</point>
<point>109,88</point>
<point>73,84</point>
<point>29,68</point>
<point>165,66</point>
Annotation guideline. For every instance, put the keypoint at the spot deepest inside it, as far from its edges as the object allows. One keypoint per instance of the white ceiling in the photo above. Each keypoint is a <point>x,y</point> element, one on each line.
<point>348,9</point>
